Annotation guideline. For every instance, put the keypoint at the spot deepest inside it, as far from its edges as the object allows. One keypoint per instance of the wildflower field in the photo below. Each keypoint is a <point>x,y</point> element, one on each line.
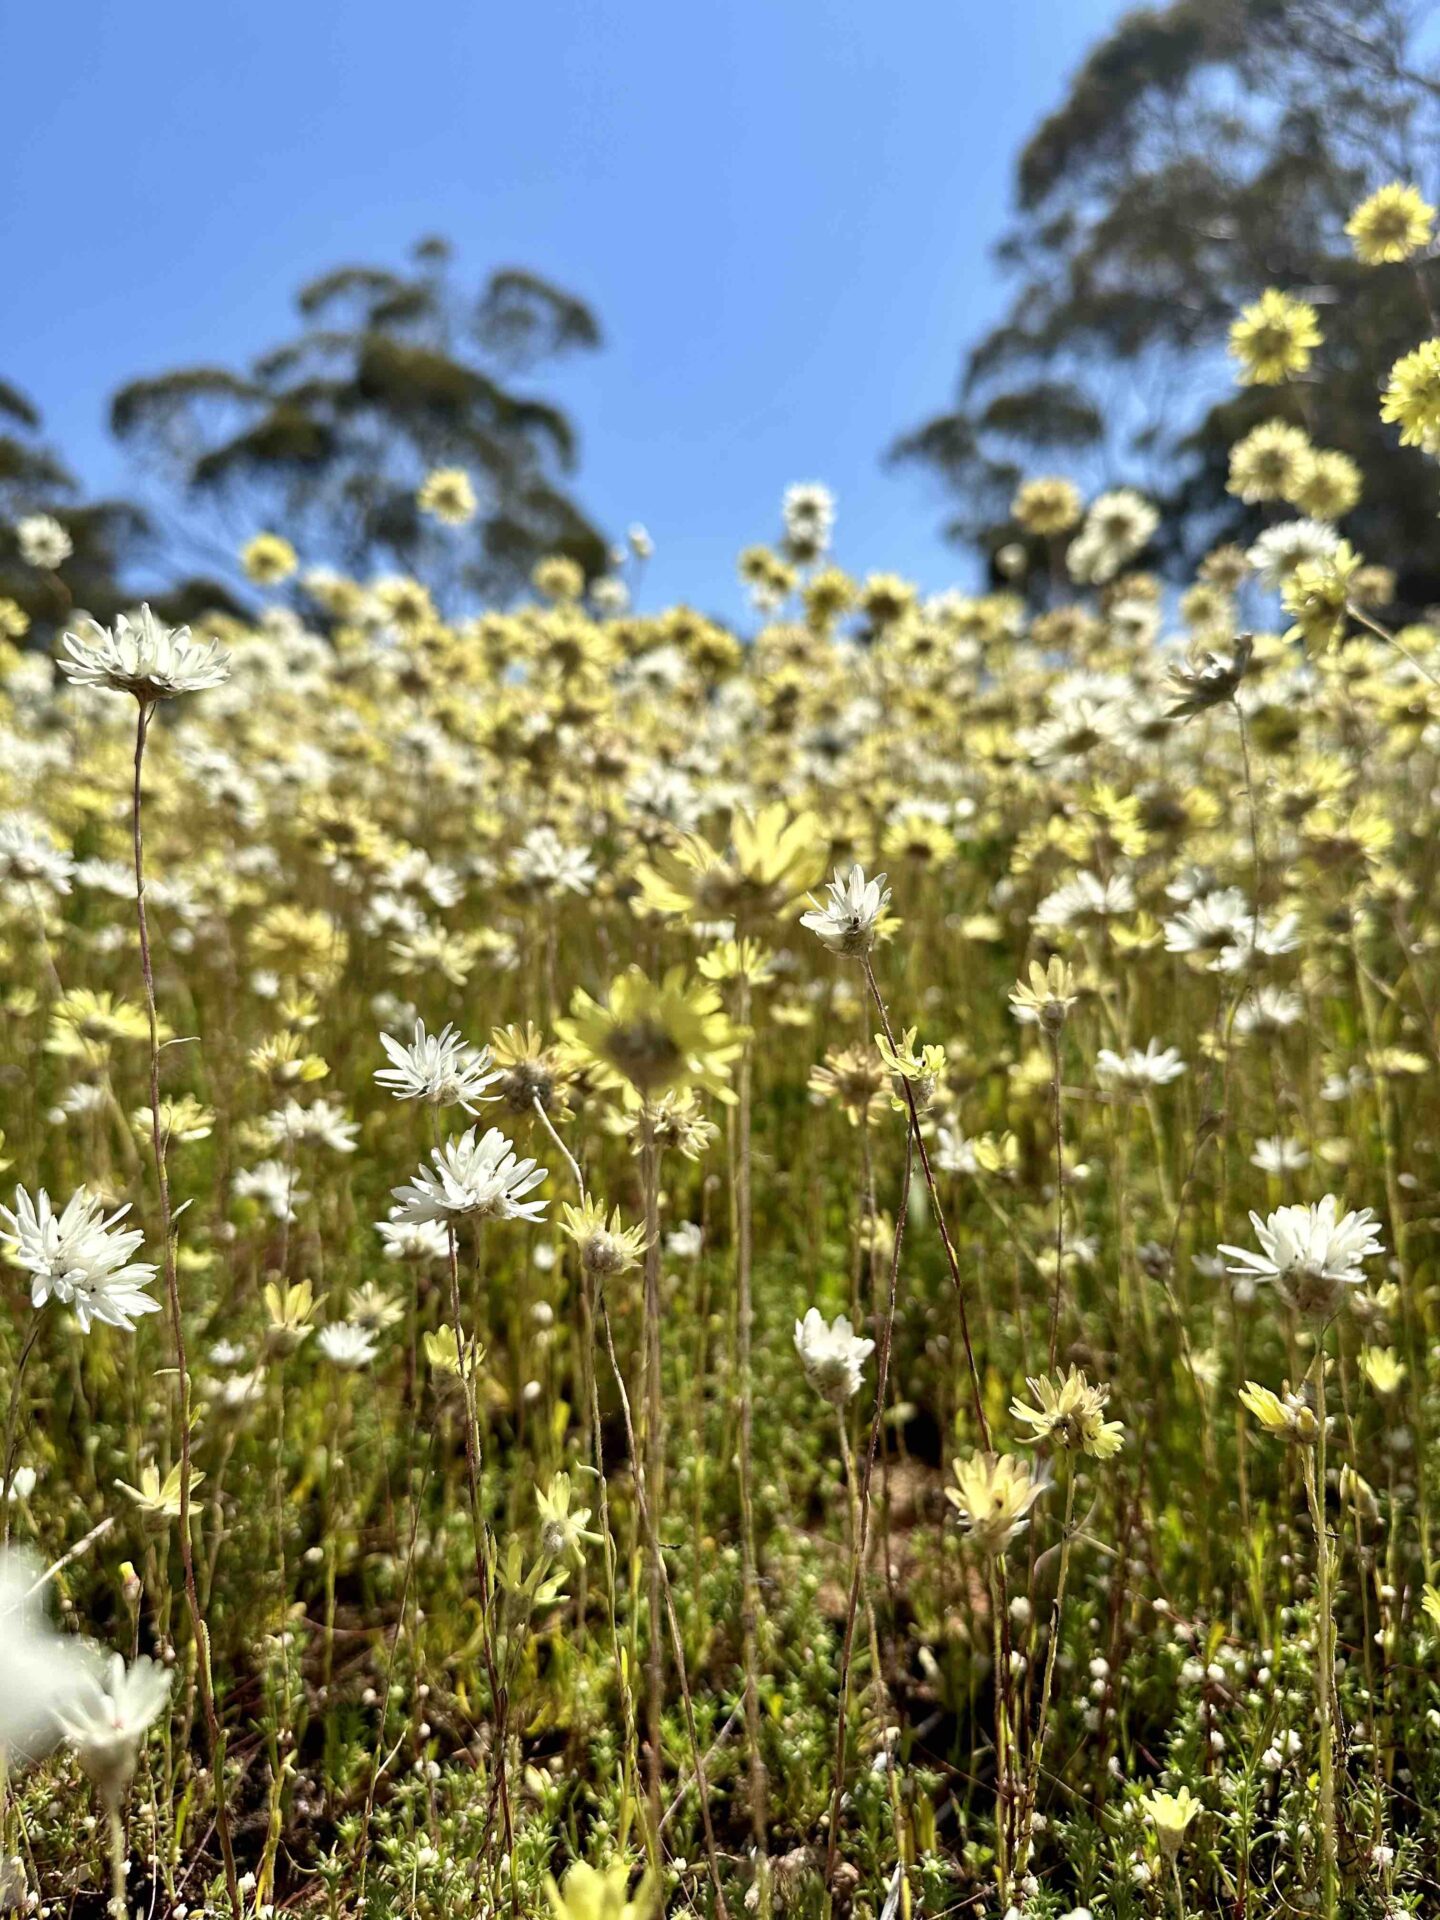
<point>790,1272</point>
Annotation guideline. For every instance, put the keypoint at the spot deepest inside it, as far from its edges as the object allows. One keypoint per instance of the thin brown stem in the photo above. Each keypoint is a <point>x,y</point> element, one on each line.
<point>649,1524</point>
<point>951,1258</point>
<point>862,1521</point>
<point>213,1728</point>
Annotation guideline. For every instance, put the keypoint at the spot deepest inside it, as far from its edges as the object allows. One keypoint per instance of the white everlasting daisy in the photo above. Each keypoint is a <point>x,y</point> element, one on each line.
<point>1157,1066</point>
<point>1255,943</point>
<point>1310,1254</point>
<point>1086,897</point>
<point>141,655</point>
<point>43,542</point>
<point>1116,528</point>
<point>441,1069</point>
<point>833,1356</point>
<point>846,922</point>
<point>107,876</point>
<point>347,1345</point>
<point>1080,720</point>
<point>1211,922</point>
<point>1269,1010</point>
<point>478,1177</point>
<point>416,1241</point>
<point>610,597</point>
<point>809,511</point>
<point>1279,550</point>
<point>953,1153</point>
<point>236,1393</point>
<point>274,1185</point>
<point>30,857</point>
<point>323,1123</point>
<point>1279,1155</point>
<point>108,1717</point>
<point>79,1257</point>
<point>543,863</point>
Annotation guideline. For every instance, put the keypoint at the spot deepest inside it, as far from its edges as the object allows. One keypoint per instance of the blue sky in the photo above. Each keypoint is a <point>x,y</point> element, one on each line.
<point>781,210</point>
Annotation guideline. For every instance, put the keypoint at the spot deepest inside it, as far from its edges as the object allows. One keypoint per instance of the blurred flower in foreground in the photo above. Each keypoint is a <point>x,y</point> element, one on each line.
<point>108,1716</point>
<point>41,1671</point>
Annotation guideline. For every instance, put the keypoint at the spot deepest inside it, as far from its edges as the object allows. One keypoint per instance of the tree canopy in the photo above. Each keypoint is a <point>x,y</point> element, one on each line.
<point>1206,150</point>
<point>390,375</point>
<point>103,534</point>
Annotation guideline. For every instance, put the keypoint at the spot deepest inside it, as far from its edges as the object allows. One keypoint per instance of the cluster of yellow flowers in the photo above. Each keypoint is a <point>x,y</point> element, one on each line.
<point>1149,947</point>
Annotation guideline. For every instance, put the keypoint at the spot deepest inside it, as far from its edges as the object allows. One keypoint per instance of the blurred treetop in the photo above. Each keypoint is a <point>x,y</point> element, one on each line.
<point>329,435</point>
<point>1207,149</point>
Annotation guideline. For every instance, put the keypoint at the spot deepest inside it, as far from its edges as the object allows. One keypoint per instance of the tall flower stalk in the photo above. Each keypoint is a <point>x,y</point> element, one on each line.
<point>1325,1635</point>
<point>653,1443</point>
<point>607,1249</point>
<point>745,1324</point>
<point>213,1727</point>
<point>860,1492</point>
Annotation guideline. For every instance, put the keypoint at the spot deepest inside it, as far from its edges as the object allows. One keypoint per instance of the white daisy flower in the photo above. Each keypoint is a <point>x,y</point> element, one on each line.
<point>853,906</point>
<point>477,1177</point>
<point>1086,897</point>
<point>42,541</point>
<point>323,1123</point>
<point>141,655</point>
<point>347,1345</point>
<point>108,1717</point>
<point>1280,549</point>
<point>441,1069</point>
<point>1157,1066</point>
<point>274,1185</point>
<point>30,857</point>
<point>833,1356</point>
<point>417,1241</point>
<point>1311,1254</point>
<point>41,1672</point>
<point>1279,1155</point>
<point>78,1257</point>
<point>544,862</point>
